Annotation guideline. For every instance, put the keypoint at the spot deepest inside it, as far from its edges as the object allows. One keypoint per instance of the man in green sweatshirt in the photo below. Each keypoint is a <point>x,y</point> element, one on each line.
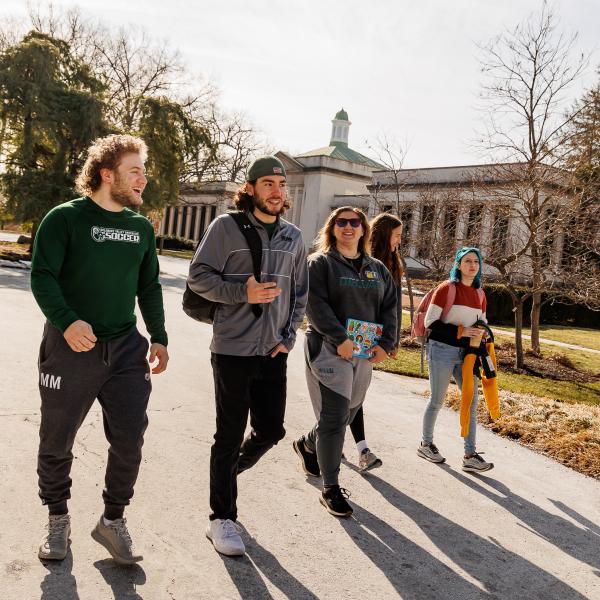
<point>92,257</point>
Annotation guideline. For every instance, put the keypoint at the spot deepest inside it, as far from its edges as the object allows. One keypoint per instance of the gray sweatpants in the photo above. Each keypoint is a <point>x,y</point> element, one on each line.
<point>118,374</point>
<point>337,389</point>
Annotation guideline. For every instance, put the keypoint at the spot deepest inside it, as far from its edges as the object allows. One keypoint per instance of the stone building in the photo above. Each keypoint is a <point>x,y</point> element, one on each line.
<point>314,179</point>
<point>198,204</point>
<point>486,206</point>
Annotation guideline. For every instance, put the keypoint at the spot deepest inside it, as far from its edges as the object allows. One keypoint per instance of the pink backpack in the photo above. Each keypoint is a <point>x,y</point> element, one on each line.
<point>418,329</point>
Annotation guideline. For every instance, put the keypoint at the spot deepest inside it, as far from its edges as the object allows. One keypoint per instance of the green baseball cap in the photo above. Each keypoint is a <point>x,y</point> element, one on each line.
<point>264,166</point>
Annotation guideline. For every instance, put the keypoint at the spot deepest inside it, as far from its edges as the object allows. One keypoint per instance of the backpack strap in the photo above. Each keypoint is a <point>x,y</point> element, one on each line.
<point>255,244</point>
<point>450,297</point>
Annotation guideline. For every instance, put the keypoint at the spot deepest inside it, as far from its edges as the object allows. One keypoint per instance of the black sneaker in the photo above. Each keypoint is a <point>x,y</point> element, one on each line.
<point>334,500</point>
<point>308,460</point>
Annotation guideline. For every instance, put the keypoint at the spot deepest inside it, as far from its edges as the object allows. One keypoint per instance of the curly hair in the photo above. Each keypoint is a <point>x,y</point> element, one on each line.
<point>245,202</point>
<point>381,232</point>
<point>325,239</point>
<point>106,153</point>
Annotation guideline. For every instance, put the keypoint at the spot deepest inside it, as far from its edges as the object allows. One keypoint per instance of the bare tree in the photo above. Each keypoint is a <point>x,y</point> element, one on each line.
<point>386,194</point>
<point>528,72</point>
<point>236,140</point>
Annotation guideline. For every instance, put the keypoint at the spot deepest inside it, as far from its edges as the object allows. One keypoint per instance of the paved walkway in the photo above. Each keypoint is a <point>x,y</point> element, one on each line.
<point>528,529</point>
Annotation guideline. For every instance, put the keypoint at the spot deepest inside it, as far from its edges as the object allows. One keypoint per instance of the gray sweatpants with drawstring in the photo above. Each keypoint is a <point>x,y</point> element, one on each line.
<point>118,375</point>
<point>337,389</point>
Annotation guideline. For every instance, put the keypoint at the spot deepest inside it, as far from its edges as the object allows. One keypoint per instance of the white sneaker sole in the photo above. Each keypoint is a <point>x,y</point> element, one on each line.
<point>233,552</point>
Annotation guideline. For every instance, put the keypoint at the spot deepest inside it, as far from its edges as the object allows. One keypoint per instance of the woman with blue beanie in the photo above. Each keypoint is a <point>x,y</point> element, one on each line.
<point>455,308</point>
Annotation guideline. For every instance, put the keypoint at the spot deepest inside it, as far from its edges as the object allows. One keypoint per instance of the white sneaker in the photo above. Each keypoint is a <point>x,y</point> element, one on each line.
<point>225,536</point>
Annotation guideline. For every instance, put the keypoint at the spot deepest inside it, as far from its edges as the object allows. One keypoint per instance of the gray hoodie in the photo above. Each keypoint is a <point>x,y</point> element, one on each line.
<point>339,292</point>
<point>219,271</point>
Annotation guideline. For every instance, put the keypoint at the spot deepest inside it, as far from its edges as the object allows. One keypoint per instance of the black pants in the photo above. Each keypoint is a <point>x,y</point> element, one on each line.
<point>244,384</point>
<point>115,372</point>
<point>357,426</point>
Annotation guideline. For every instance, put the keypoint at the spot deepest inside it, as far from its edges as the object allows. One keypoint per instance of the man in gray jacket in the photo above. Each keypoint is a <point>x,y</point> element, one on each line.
<point>249,347</point>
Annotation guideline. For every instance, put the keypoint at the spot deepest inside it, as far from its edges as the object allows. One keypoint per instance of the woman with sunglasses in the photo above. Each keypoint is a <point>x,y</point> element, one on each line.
<point>345,283</point>
<point>386,233</point>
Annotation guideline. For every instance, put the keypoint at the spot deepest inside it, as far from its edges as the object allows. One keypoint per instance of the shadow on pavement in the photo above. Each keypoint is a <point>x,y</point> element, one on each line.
<point>123,580</point>
<point>172,282</point>
<point>17,279</point>
<point>59,582</point>
<point>414,572</point>
<point>502,573</point>
<point>248,574</point>
<point>571,539</point>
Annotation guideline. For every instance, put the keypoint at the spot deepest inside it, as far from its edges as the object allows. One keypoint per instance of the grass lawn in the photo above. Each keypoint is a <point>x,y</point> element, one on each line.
<point>579,336</point>
<point>408,362</point>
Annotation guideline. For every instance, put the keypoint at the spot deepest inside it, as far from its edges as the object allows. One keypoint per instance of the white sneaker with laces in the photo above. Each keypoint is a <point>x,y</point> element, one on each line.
<point>225,537</point>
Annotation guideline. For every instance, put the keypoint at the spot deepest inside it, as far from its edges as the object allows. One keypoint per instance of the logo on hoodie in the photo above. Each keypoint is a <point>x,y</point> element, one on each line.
<point>102,234</point>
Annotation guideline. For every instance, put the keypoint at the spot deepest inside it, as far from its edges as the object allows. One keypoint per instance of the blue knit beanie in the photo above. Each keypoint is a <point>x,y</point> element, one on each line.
<point>455,271</point>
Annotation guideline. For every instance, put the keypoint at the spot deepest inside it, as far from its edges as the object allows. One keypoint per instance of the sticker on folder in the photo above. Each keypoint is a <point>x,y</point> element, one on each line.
<point>364,335</point>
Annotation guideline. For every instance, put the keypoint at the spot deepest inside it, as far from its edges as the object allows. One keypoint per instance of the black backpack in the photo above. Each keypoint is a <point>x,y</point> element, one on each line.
<point>201,309</point>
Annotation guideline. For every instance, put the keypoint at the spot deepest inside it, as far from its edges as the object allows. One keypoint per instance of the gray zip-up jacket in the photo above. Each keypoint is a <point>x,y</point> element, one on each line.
<point>339,292</point>
<point>219,271</point>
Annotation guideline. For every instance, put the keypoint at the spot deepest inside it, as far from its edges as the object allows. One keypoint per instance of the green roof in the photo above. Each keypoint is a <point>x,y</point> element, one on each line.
<point>341,115</point>
<point>341,150</point>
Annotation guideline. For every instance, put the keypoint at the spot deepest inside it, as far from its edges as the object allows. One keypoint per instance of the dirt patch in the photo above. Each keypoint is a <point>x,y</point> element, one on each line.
<point>14,251</point>
<point>556,366</point>
<point>568,433</point>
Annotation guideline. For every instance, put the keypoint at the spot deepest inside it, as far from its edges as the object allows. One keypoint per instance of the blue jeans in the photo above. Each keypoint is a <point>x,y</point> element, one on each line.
<point>446,361</point>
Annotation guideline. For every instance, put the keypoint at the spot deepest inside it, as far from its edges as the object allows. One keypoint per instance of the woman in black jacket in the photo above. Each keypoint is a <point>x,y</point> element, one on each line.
<point>386,234</point>
<point>346,285</point>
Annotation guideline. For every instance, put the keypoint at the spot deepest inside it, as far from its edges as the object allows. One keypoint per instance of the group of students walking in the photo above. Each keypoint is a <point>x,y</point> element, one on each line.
<point>93,256</point>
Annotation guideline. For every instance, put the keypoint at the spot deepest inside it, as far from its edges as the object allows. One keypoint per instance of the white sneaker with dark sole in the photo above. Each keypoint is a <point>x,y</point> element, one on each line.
<point>430,452</point>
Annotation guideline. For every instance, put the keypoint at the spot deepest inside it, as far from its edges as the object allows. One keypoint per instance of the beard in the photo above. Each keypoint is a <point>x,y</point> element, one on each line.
<point>261,204</point>
<point>122,194</point>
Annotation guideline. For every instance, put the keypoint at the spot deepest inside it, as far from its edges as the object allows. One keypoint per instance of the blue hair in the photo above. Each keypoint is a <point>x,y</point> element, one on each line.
<point>455,273</point>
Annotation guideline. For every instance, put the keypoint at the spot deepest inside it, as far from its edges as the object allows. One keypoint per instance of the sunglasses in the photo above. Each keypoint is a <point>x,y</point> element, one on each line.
<point>341,222</point>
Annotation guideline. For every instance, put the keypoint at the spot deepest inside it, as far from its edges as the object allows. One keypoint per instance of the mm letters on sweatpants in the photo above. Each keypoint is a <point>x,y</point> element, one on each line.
<point>118,375</point>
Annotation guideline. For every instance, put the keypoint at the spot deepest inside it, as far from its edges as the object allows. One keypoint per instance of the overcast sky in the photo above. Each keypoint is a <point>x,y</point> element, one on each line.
<point>405,68</point>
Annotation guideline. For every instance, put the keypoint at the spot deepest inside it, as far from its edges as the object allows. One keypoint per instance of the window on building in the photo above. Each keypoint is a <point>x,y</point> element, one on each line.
<point>449,220</point>
<point>474,225</point>
<point>388,208</point>
<point>425,245</point>
<point>499,245</point>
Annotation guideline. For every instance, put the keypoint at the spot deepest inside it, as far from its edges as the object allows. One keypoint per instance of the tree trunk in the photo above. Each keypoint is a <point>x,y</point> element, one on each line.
<point>536,307</point>
<point>518,310</point>
<point>34,228</point>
